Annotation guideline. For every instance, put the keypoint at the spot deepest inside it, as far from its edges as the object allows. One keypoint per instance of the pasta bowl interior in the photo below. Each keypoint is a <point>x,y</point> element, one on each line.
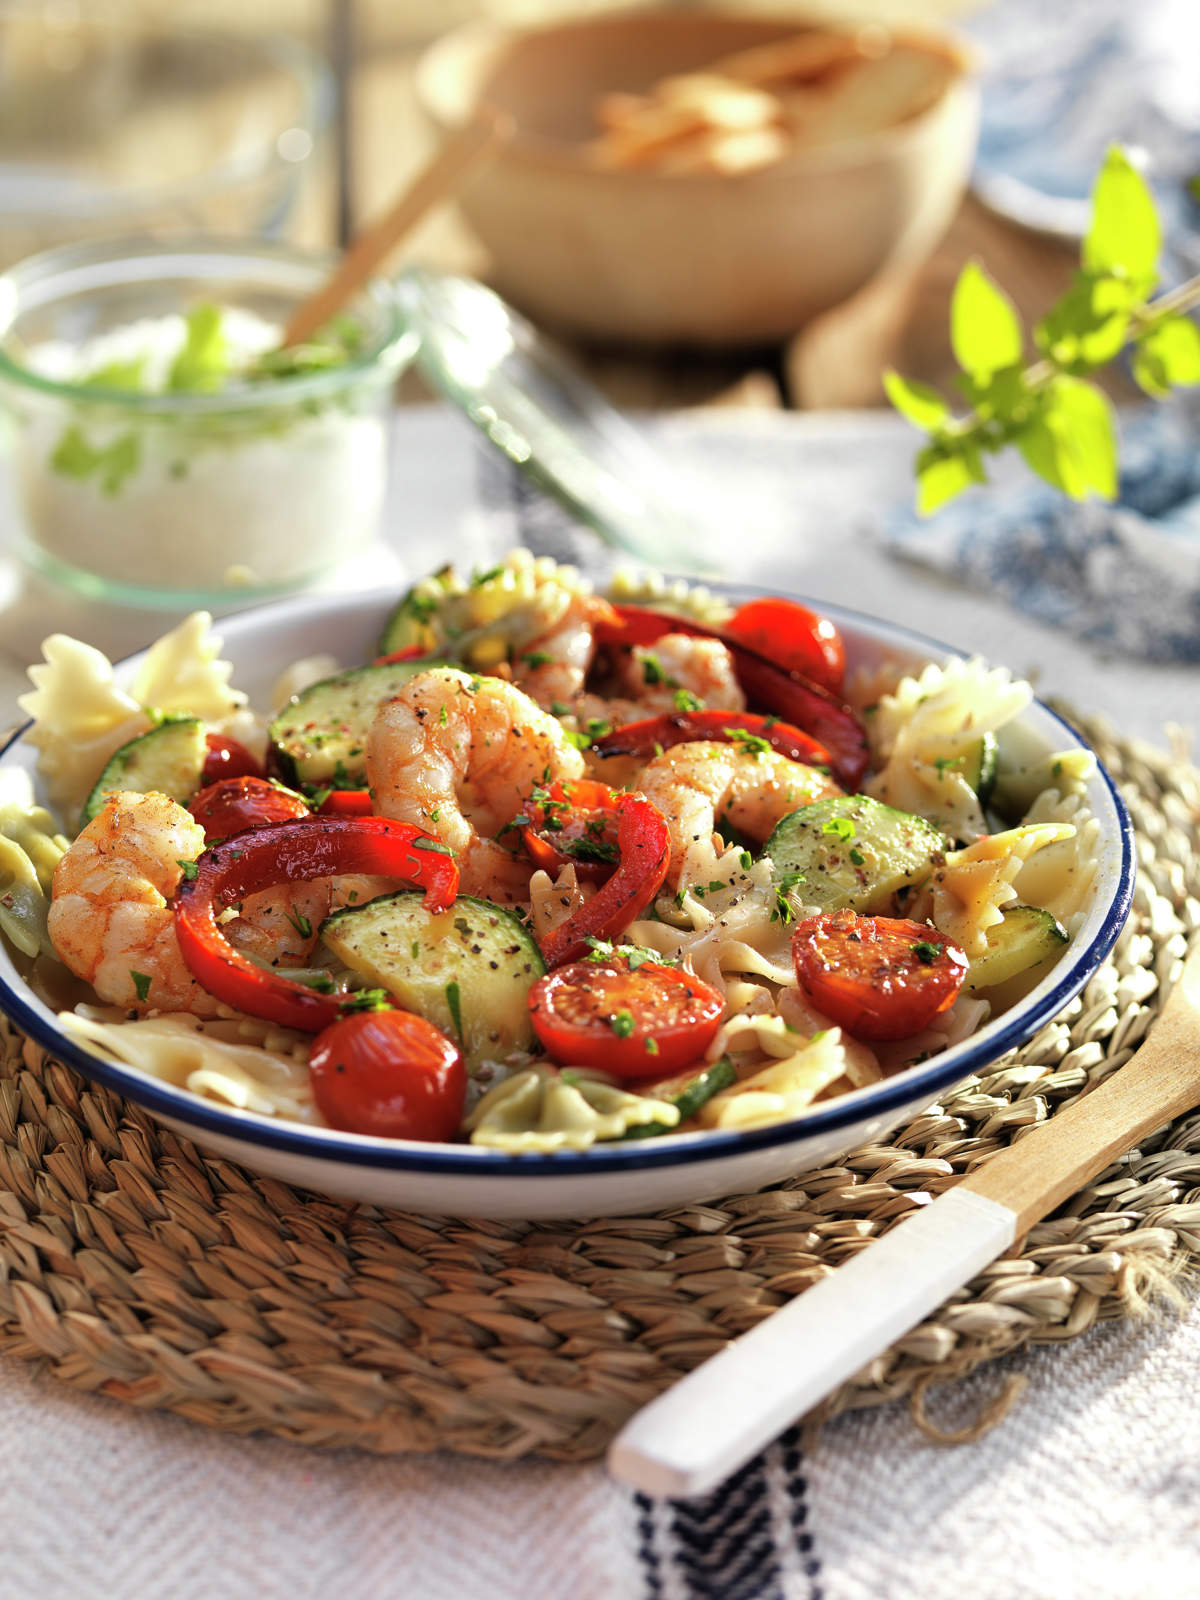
<point>1085,878</point>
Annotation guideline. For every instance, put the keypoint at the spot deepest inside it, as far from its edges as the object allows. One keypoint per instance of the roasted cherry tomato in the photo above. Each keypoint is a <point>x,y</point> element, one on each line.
<point>631,1020</point>
<point>228,758</point>
<point>388,1073</point>
<point>575,821</point>
<point>233,804</point>
<point>797,639</point>
<point>877,977</point>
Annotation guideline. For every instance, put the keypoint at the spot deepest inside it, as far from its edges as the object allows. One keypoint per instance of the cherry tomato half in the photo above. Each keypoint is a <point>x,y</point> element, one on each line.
<point>388,1073</point>
<point>877,977</point>
<point>629,1020</point>
<point>233,804</point>
<point>228,758</point>
<point>798,639</point>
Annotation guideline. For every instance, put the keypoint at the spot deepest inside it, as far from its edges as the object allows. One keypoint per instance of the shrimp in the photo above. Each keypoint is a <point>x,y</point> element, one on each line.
<point>551,669</point>
<point>696,785</point>
<point>655,674</point>
<point>459,756</point>
<point>110,916</point>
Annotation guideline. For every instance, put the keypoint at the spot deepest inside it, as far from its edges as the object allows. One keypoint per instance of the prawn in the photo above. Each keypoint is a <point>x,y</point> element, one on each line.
<point>110,916</point>
<point>111,921</point>
<point>697,786</point>
<point>459,756</point>
<point>655,675</point>
<point>551,668</point>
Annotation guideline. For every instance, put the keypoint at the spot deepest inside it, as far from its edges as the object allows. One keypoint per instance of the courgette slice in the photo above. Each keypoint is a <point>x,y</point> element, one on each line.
<point>979,765</point>
<point>167,759</point>
<point>468,970</point>
<point>687,1092</point>
<point>1028,937</point>
<point>851,851</point>
<point>320,736</point>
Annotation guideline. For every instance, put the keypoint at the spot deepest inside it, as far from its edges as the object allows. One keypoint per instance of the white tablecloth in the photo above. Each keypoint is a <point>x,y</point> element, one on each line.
<point>1088,1489</point>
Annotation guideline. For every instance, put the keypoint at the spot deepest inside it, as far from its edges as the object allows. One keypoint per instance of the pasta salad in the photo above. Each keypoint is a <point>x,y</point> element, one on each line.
<point>550,868</point>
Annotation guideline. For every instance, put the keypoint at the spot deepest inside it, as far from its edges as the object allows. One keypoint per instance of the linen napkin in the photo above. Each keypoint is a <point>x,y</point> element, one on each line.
<point>1124,577</point>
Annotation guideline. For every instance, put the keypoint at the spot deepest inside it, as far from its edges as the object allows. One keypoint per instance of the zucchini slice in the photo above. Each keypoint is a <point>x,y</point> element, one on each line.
<point>320,736</point>
<point>468,969</point>
<point>167,759</point>
<point>687,1091</point>
<point>1027,938</point>
<point>979,766</point>
<point>852,851</point>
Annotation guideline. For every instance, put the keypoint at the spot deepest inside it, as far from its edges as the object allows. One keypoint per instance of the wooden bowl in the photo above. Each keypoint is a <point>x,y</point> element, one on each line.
<point>695,257</point>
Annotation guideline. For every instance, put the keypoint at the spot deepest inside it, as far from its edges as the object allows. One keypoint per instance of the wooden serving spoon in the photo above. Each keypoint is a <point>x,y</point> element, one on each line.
<point>712,1421</point>
<point>460,157</point>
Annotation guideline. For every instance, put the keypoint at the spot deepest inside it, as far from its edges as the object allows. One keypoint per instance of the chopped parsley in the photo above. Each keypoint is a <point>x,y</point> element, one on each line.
<point>652,670</point>
<point>925,950</point>
<point>857,858</point>
<point>840,827</point>
<point>751,744</point>
<point>601,850</point>
<point>537,658</point>
<point>685,700</point>
<point>300,922</point>
<point>141,982</point>
<point>188,868</point>
<point>435,845</point>
<point>622,1023</point>
<point>454,1000</point>
<point>366,1000</point>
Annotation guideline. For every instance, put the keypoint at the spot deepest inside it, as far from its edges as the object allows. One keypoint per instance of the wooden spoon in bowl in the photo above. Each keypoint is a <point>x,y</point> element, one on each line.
<point>712,1421</point>
<point>460,157</point>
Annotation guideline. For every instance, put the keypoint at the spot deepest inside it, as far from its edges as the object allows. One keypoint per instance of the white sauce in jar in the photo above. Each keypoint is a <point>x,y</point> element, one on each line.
<point>195,501</point>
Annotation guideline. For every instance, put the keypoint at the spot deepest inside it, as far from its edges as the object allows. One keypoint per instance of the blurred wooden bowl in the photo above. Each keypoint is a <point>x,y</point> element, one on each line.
<point>652,256</point>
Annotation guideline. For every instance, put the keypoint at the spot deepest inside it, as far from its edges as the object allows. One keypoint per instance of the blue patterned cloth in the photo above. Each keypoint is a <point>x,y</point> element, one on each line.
<point>1123,577</point>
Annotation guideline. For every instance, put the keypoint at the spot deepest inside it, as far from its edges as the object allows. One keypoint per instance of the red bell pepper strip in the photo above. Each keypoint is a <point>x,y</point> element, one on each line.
<point>346,803</point>
<point>289,852</point>
<point>766,684</point>
<point>683,727</point>
<point>575,821</point>
<point>410,652</point>
<point>644,847</point>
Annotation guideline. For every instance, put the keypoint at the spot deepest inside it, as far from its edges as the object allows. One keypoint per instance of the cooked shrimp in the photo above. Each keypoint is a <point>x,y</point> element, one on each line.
<point>654,674</point>
<point>459,756</point>
<point>110,917</point>
<point>696,785</point>
<point>280,925</point>
<point>551,668</point>
<point>111,920</point>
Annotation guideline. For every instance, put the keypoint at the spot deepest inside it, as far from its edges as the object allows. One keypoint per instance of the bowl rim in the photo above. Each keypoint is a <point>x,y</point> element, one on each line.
<point>392,347</point>
<point>919,1084</point>
<point>535,150</point>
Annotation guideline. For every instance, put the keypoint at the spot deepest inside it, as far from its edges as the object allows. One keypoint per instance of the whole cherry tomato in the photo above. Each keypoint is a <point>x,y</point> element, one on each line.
<point>233,804</point>
<point>228,758</point>
<point>793,636</point>
<point>629,1019</point>
<point>388,1073</point>
<point>877,977</point>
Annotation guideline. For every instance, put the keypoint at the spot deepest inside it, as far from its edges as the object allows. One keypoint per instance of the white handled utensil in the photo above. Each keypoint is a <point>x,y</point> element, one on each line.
<point>711,1422</point>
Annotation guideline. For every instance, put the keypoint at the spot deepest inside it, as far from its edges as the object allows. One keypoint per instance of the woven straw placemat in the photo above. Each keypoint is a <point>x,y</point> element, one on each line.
<point>133,1265</point>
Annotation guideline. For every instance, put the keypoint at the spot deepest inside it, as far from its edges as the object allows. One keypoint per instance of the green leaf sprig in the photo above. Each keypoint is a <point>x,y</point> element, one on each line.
<point>1063,425</point>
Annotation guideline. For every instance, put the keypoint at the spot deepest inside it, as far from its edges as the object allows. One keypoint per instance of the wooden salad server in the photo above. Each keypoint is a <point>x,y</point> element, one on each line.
<point>720,1415</point>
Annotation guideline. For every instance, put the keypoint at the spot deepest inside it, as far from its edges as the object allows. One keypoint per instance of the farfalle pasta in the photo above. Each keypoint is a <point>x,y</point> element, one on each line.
<point>612,886</point>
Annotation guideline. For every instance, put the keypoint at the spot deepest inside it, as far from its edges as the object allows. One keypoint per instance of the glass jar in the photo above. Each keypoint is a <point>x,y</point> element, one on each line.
<point>184,498</point>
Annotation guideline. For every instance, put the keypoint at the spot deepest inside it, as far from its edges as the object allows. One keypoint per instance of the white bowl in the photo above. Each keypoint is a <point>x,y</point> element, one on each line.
<point>612,1179</point>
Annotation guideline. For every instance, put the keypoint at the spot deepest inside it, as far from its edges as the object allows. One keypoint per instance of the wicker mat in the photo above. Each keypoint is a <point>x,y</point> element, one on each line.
<point>135,1266</point>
